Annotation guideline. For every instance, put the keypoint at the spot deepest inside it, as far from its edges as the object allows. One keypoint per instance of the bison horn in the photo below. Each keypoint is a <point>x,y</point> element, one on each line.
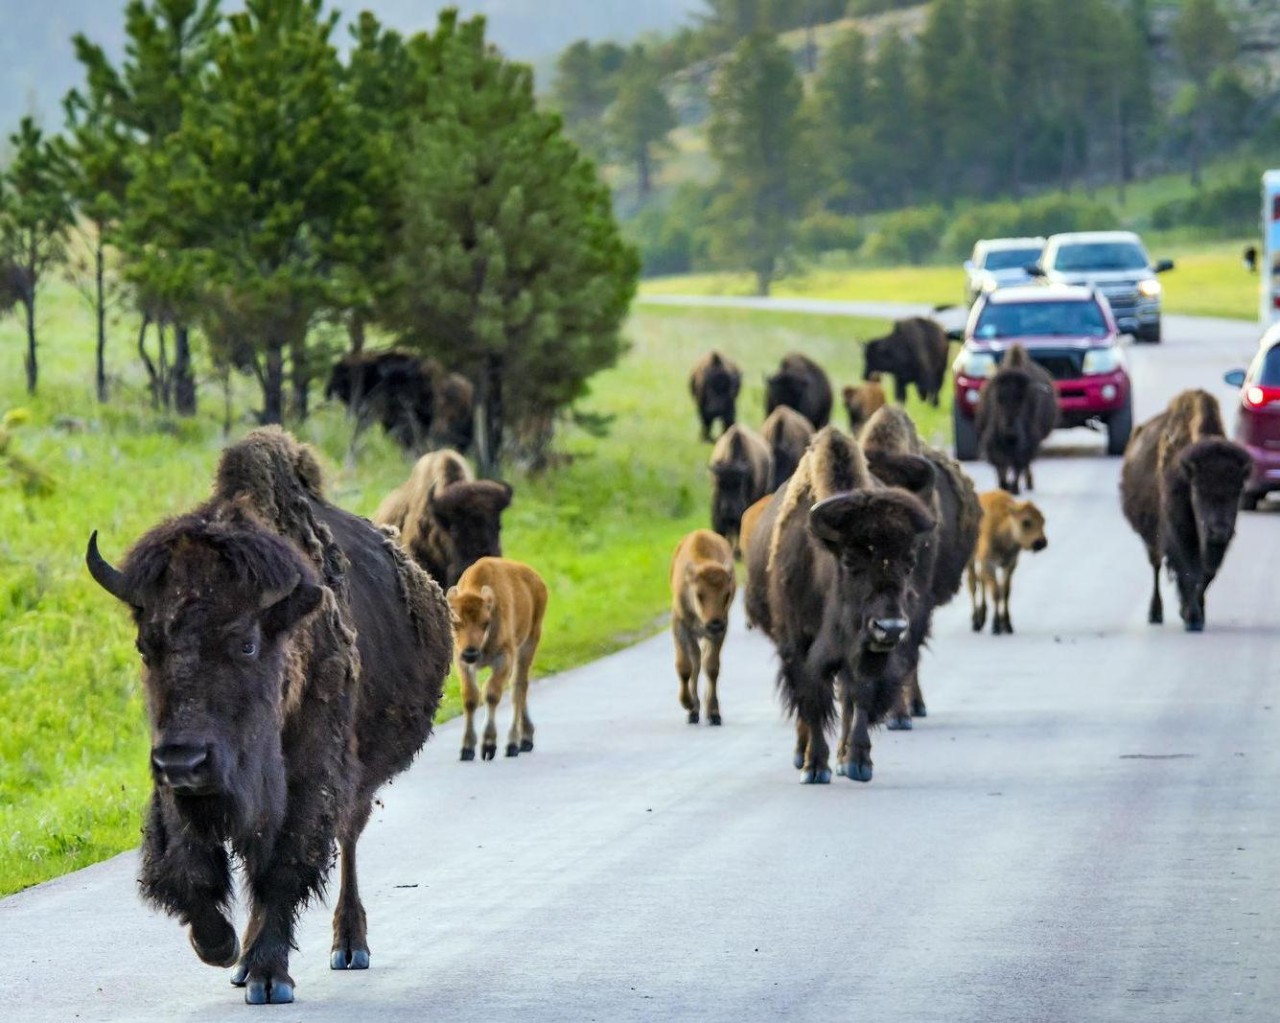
<point>273,596</point>
<point>104,573</point>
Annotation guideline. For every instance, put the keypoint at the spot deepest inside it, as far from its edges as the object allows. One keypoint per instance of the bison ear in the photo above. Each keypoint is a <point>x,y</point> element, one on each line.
<point>510,492</point>
<point>451,593</point>
<point>910,472</point>
<point>486,594</point>
<point>283,608</point>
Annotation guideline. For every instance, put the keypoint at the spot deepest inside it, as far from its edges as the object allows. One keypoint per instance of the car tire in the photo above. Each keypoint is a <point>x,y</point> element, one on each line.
<point>1119,426</point>
<point>1249,500</point>
<point>965,431</point>
<point>1149,335</point>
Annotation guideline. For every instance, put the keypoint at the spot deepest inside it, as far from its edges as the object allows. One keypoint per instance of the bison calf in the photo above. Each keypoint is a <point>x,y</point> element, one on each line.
<point>1008,527</point>
<point>702,586</point>
<point>496,610</point>
<point>1180,489</point>
<point>862,402</point>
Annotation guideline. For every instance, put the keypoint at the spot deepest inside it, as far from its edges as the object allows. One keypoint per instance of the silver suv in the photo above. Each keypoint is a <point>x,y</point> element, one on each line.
<point>999,263</point>
<point>1117,265</point>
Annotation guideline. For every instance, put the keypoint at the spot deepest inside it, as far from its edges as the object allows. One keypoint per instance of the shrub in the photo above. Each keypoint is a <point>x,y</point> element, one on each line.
<point>907,236</point>
<point>1229,209</point>
<point>1045,215</point>
<point>825,231</point>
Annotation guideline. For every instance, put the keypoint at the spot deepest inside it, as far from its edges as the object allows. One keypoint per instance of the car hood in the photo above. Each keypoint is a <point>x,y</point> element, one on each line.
<point>1000,344</point>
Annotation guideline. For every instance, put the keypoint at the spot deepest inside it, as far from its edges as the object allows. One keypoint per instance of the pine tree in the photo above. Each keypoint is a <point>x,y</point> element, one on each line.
<point>35,215</point>
<point>1204,42</point>
<point>511,268</point>
<point>641,118</point>
<point>585,83</point>
<point>755,134</point>
<point>840,121</point>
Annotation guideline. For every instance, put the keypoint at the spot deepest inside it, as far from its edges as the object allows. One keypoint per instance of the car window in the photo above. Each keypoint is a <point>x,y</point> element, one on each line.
<point>1040,319</point>
<point>1100,256</point>
<point>1009,259</point>
<point>1269,368</point>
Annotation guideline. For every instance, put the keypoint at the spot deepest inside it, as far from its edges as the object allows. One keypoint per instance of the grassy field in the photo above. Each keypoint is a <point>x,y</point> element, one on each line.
<point>73,744</point>
<point>1207,281</point>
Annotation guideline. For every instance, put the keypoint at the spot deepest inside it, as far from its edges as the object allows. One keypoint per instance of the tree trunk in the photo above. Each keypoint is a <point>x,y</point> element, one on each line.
<point>153,378</point>
<point>1199,131</point>
<point>184,378</point>
<point>355,333</point>
<point>33,371</point>
<point>490,414</point>
<point>100,369</point>
<point>273,384</point>
<point>299,374</point>
<point>644,171</point>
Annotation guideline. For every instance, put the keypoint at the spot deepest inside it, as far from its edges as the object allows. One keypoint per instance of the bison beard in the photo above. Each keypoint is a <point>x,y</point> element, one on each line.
<point>294,659</point>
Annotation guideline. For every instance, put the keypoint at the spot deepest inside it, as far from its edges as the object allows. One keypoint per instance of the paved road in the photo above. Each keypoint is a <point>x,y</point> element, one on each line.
<point>1085,828</point>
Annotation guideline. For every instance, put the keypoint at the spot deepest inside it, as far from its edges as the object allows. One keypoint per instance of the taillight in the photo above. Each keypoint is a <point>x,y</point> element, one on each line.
<point>1256,396</point>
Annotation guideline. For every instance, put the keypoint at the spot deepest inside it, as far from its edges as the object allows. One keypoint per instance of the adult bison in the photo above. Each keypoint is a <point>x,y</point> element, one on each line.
<point>448,520</point>
<point>801,384</point>
<point>714,384</point>
<point>293,661</point>
<point>838,584</point>
<point>1018,409</point>
<point>787,433</point>
<point>944,552</point>
<point>739,468</point>
<point>913,352</point>
<point>1180,488</point>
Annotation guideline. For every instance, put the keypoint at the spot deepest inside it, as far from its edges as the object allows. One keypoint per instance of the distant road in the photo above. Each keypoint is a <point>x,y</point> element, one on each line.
<point>1085,828</point>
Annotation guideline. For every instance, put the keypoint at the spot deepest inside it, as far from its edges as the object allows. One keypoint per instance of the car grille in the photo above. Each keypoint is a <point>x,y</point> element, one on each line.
<point>1122,298</point>
<point>1062,364</point>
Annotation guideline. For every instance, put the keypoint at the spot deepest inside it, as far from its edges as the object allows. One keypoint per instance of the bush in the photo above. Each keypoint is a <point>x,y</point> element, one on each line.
<point>670,238</point>
<point>1229,209</point>
<point>1046,215</point>
<point>825,231</point>
<point>907,236</point>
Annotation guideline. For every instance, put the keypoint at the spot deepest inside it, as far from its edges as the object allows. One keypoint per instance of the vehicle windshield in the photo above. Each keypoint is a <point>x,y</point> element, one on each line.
<point>1040,319</point>
<point>1269,368</point>
<point>1010,259</point>
<point>1100,256</point>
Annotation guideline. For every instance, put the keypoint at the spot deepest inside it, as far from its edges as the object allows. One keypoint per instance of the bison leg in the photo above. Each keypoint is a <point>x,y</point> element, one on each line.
<point>1026,474</point>
<point>688,665</point>
<point>1005,587</point>
<point>900,713</point>
<point>846,725</point>
<point>350,925</point>
<point>814,700</point>
<point>191,880</point>
<point>492,696</point>
<point>899,390</point>
<point>978,597</point>
<point>470,701</point>
<point>1191,599</point>
<point>802,744</point>
<point>857,766</point>
<point>711,665</point>
<point>706,426</point>
<point>1155,613</point>
<point>520,738</point>
<point>991,592</point>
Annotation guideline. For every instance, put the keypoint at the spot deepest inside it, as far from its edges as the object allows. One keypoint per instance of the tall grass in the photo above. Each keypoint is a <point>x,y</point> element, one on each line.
<point>600,528</point>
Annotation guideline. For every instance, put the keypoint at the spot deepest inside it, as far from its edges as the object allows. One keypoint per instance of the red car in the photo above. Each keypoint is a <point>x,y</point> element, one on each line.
<point>1258,422</point>
<point>1069,331</point>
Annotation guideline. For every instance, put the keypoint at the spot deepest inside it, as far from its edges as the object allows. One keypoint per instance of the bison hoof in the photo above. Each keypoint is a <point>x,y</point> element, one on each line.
<point>239,974</point>
<point>899,723</point>
<point>488,751</point>
<point>526,745</point>
<point>713,719</point>
<point>918,709</point>
<point>979,620</point>
<point>798,761</point>
<point>855,771</point>
<point>693,717</point>
<point>265,988</point>
<point>513,749</point>
<point>219,949</point>
<point>349,959</point>
<point>468,754</point>
<point>816,776</point>
<point>1194,626</point>
<point>1155,618</point>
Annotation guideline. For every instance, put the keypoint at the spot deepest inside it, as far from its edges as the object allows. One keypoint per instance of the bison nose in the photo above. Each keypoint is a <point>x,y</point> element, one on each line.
<point>1040,544</point>
<point>182,767</point>
<point>470,655</point>
<point>716,626</point>
<point>886,632</point>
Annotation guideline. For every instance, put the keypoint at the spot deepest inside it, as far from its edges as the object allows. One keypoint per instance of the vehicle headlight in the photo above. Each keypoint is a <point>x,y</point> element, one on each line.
<point>975,364</point>
<point>1149,289</point>
<point>989,284</point>
<point>1102,360</point>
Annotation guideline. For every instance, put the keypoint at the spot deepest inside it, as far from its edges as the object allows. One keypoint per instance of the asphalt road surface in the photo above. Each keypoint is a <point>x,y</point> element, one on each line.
<point>1084,828</point>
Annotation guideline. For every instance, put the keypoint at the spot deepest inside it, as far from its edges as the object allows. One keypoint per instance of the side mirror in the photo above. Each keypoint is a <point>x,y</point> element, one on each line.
<point>1034,270</point>
<point>1163,265</point>
<point>955,334</point>
<point>1234,377</point>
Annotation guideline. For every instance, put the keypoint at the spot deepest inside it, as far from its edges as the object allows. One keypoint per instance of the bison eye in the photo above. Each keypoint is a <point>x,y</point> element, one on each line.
<point>249,648</point>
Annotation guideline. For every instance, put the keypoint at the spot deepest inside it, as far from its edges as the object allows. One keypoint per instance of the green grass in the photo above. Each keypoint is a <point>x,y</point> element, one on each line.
<point>600,528</point>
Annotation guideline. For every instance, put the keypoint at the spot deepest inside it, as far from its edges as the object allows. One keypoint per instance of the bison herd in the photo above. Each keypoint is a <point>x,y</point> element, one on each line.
<point>294,655</point>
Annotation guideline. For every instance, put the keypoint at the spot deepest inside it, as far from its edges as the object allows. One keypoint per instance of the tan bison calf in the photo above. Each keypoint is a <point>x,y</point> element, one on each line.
<point>862,402</point>
<point>702,585</point>
<point>1008,527</point>
<point>496,610</point>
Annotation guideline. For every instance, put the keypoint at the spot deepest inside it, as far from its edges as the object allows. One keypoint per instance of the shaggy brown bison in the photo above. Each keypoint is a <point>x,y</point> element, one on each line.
<point>1008,527</point>
<point>862,402</point>
<point>1180,488</point>
<point>497,610</point>
<point>714,384</point>
<point>417,403</point>
<point>293,661</point>
<point>447,518</point>
<point>838,584</point>
<point>740,476</point>
<point>1016,412</point>
<point>801,384</point>
<point>944,552</point>
<point>702,585</point>
<point>787,434</point>
<point>913,352</point>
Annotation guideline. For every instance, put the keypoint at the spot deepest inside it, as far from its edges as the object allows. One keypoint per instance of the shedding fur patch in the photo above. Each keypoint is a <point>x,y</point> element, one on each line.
<point>832,464</point>
<point>891,430</point>
<point>1191,416</point>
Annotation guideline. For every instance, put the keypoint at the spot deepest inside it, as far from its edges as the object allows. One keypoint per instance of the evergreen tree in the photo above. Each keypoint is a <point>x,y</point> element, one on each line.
<point>755,134</point>
<point>898,165</point>
<point>840,121</point>
<point>585,84</point>
<point>35,215</point>
<point>1204,42</point>
<point>511,268</point>
<point>641,118</point>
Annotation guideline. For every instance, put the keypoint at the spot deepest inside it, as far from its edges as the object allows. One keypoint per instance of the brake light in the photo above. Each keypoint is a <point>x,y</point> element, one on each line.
<point>1259,397</point>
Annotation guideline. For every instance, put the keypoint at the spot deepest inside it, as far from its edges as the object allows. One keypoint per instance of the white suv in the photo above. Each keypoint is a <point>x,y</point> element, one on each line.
<point>999,263</point>
<point>1118,267</point>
